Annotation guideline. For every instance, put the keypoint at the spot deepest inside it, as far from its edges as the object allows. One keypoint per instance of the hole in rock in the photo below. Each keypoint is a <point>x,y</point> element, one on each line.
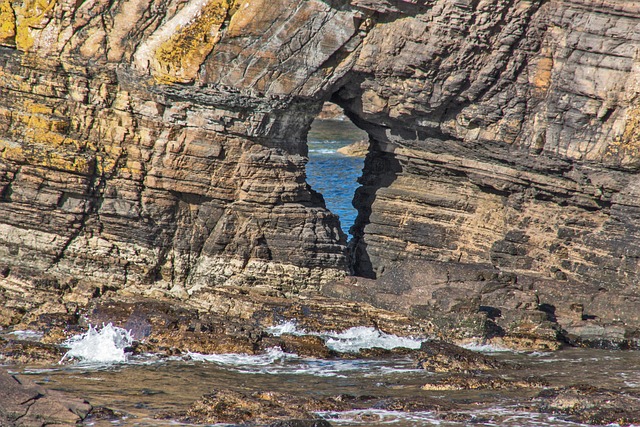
<point>336,156</point>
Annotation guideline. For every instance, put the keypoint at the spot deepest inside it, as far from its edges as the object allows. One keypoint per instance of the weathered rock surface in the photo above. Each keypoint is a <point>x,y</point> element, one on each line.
<point>237,325</point>
<point>591,405</point>
<point>439,356</point>
<point>22,352</point>
<point>357,149</point>
<point>158,148</point>
<point>24,403</point>
<point>470,301</point>
<point>477,382</point>
<point>224,406</point>
<point>463,302</point>
<point>259,408</point>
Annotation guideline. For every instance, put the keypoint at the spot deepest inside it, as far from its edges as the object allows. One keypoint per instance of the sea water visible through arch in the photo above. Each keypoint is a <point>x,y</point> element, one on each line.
<point>332,174</point>
<point>141,388</point>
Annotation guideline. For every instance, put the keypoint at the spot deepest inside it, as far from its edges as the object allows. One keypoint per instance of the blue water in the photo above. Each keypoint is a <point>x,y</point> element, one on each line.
<point>331,173</point>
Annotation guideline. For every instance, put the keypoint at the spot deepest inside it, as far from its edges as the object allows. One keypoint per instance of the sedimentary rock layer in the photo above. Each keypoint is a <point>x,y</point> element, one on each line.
<point>160,145</point>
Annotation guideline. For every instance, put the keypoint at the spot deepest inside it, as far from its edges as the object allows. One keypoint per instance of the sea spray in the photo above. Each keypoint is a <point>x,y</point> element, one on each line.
<point>352,340</point>
<point>277,362</point>
<point>355,339</point>
<point>290,327</point>
<point>104,346</point>
<point>271,356</point>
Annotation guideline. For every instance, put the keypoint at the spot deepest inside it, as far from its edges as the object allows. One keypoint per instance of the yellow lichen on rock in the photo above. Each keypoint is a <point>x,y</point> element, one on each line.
<point>626,148</point>
<point>7,24</point>
<point>33,14</point>
<point>43,156</point>
<point>178,59</point>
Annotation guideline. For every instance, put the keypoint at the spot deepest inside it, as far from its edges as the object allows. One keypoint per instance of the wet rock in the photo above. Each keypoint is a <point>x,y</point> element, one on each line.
<point>483,382</point>
<point>103,413</point>
<point>311,312</point>
<point>383,353</point>
<point>460,301</point>
<point>263,407</point>
<point>440,356</point>
<point>591,405</point>
<point>174,327</point>
<point>24,403</point>
<point>301,423</point>
<point>23,352</point>
<point>226,406</point>
<point>413,404</point>
<point>305,345</point>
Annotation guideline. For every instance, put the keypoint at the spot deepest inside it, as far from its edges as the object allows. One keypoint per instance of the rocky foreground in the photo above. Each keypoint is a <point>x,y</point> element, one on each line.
<point>152,174</point>
<point>171,328</point>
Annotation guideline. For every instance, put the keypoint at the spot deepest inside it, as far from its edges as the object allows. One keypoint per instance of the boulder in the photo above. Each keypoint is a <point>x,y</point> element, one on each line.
<point>24,403</point>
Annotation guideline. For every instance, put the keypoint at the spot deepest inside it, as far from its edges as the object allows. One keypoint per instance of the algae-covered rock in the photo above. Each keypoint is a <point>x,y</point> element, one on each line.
<point>440,356</point>
<point>591,405</point>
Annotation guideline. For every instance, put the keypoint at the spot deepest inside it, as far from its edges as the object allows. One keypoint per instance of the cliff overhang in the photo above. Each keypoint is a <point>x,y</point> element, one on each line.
<point>159,147</point>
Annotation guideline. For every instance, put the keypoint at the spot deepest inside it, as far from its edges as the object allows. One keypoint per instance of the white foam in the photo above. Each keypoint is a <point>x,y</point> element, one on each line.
<point>272,356</point>
<point>27,335</point>
<point>104,346</point>
<point>277,362</point>
<point>323,151</point>
<point>505,417</point>
<point>380,416</point>
<point>289,327</point>
<point>352,340</point>
<point>487,348</point>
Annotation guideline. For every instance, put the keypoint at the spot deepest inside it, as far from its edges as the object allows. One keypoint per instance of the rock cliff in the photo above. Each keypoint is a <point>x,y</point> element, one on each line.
<point>160,146</point>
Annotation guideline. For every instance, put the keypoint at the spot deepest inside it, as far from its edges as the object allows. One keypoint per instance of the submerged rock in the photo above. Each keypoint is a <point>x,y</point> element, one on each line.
<point>264,407</point>
<point>301,423</point>
<point>24,403</point>
<point>592,405</point>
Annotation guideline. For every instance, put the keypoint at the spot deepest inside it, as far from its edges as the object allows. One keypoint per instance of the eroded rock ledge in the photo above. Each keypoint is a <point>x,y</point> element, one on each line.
<point>159,146</point>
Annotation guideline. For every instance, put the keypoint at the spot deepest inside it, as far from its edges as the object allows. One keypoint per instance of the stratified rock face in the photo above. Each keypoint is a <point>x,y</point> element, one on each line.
<point>119,169</point>
<point>503,133</point>
<point>161,145</point>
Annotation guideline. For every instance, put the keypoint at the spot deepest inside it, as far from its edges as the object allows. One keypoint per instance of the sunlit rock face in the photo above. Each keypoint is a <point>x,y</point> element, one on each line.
<point>504,133</point>
<point>160,146</point>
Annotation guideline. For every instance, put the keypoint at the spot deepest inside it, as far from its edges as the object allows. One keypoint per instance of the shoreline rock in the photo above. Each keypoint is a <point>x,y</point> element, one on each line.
<point>173,162</point>
<point>24,403</point>
<point>591,405</point>
<point>357,149</point>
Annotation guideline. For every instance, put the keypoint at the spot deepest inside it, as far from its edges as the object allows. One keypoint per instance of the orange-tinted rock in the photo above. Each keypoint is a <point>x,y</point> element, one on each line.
<point>162,152</point>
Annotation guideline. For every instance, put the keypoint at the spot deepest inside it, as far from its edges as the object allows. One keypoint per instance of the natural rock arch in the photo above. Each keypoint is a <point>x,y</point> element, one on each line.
<point>502,133</point>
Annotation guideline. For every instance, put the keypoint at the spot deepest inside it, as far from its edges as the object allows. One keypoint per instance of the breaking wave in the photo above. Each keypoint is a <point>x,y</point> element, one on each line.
<point>352,340</point>
<point>106,345</point>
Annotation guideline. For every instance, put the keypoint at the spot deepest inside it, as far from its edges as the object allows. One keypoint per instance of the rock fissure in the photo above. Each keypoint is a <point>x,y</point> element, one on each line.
<point>169,159</point>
